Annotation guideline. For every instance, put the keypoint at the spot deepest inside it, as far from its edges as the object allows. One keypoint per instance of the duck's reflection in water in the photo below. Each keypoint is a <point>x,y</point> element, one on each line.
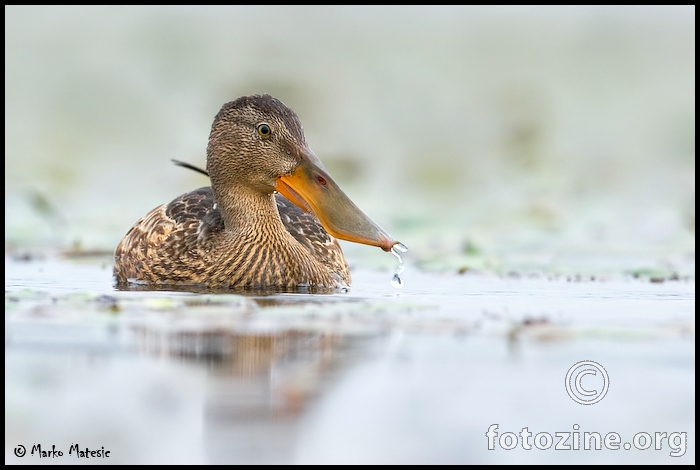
<point>260,384</point>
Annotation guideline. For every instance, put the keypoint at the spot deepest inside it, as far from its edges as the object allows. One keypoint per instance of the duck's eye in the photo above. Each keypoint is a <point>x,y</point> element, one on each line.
<point>264,130</point>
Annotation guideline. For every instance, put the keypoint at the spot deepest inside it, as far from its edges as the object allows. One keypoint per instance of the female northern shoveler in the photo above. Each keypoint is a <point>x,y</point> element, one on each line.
<point>240,232</point>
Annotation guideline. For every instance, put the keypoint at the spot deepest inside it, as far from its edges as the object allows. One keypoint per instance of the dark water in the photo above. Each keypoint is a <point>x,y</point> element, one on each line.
<point>372,375</point>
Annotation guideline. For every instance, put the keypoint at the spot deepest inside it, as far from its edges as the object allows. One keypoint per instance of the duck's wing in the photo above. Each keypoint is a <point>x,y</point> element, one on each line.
<point>186,226</point>
<point>308,231</point>
<point>196,216</point>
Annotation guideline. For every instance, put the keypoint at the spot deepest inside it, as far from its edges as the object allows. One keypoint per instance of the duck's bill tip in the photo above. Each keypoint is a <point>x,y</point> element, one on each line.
<point>373,236</point>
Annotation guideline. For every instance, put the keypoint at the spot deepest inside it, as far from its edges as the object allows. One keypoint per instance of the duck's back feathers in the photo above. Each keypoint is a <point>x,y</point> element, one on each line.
<point>162,247</point>
<point>197,217</point>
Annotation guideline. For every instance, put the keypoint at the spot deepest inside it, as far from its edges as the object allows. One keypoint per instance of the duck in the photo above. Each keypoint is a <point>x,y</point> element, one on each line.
<point>271,217</point>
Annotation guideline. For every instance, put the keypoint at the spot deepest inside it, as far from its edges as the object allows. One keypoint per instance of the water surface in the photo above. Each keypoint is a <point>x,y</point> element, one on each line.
<point>372,375</point>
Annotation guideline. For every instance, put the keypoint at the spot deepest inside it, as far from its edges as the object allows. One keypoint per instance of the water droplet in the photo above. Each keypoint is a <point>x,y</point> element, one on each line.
<point>396,280</point>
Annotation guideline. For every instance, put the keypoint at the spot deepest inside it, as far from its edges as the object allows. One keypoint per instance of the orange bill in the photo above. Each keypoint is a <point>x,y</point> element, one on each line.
<point>312,189</point>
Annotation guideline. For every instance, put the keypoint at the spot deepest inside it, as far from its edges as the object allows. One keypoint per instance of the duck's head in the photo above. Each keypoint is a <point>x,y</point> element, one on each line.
<point>257,142</point>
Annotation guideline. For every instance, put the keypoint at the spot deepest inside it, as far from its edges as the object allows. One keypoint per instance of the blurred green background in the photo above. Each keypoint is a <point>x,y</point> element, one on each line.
<point>478,136</point>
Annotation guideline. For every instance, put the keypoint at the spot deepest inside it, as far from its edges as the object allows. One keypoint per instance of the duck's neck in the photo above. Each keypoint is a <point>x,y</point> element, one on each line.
<point>253,222</point>
<point>244,209</point>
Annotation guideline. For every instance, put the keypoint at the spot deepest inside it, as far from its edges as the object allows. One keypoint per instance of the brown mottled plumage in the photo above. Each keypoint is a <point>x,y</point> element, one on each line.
<point>239,232</point>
